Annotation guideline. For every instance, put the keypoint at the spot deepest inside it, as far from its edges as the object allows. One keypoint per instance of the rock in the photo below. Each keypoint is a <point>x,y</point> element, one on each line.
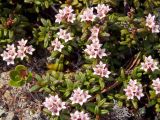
<point>2,111</point>
<point>10,116</point>
<point>7,95</point>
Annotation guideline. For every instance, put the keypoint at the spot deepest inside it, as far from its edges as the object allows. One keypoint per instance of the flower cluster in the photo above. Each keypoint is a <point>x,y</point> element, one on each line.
<point>79,116</point>
<point>149,64</point>
<point>54,104</point>
<point>151,23</point>
<point>88,14</point>
<point>102,10</point>
<point>66,15</point>
<point>57,45</point>
<point>64,35</point>
<point>156,85</point>
<point>94,49</point>
<point>21,52</point>
<point>134,89</point>
<point>79,96</point>
<point>101,70</point>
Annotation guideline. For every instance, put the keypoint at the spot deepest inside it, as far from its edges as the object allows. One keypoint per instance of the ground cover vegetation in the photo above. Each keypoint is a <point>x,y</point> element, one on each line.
<point>91,59</point>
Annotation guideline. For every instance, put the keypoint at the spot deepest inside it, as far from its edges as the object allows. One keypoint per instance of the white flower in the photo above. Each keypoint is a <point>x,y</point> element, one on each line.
<point>21,54</point>
<point>79,116</point>
<point>10,60</point>
<point>30,50</point>
<point>101,70</point>
<point>59,18</point>
<point>54,104</point>
<point>129,93</point>
<point>156,85</point>
<point>88,15</point>
<point>150,21</point>
<point>79,96</point>
<point>149,64</point>
<point>95,31</point>
<point>10,47</point>
<point>71,18</point>
<point>22,42</point>
<point>155,29</point>
<point>134,89</point>
<point>62,34</point>
<point>68,9</point>
<point>66,15</point>
<point>57,45</point>
<point>67,37</point>
<point>101,53</point>
<point>102,10</point>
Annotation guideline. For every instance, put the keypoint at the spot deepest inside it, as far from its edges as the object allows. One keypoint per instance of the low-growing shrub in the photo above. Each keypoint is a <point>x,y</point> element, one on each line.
<point>100,51</point>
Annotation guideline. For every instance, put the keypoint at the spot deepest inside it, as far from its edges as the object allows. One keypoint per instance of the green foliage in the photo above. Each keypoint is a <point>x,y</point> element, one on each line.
<point>123,34</point>
<point>19,76</point>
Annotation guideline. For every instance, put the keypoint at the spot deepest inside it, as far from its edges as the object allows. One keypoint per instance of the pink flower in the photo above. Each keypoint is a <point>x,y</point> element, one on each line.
<point>79,116</point>
<point>155,29</point>
<point>10,54</point>
<point>10,60</point>
<point>94,39</point>
<point>132,82</point>
<point>102,10</point>
<point>139,94</point>
<point>68,10</point>
<point>149,64</point>
<point>59,18</point>
<point>95,31</point>
<point>101,70</point>
<point>22,48</point>
<point>30,50</point>
<point>150,21</point>
<point>4,55</point>
<point>134,89</point>
<point>71,18</point>
<point>21,54</point>
<point>129,93</point>
<point>101,53</point>
<point>54,104</point>
<point>79,96</point>
<point>67,37</point>
<point>156,85</point>
<point>94,50</point>
<point>62,34</point>
<point>22,42</point>
<point>10,47</point>
<point>66,15</point>
<point>88,15</point>
<point>57,45</point>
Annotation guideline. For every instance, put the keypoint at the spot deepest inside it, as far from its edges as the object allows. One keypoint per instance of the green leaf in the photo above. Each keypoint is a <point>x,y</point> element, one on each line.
<point>136,3</point>
<point>135,104</point>
<point>13,74</point>
<point>96,110</point>
<point>94,89</point>
<point>20,67</point>
<point>152,94</point>
<point>16,83</point>
<point>90,107</point>
<point>102,83</point>
<point>101,103</point>
<point>34,88</point>
<point>104,112</point>
<point>46,4</point>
